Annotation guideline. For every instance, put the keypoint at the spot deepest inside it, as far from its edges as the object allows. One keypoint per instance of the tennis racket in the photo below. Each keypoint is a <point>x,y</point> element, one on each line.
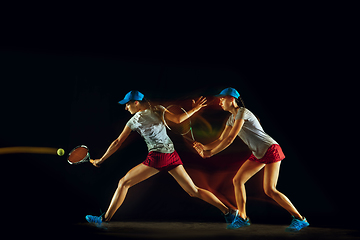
<point>79,154</point>
<point>184,128</point>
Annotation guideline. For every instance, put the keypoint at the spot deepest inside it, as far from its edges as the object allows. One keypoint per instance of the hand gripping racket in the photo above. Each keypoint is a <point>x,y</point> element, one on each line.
<point>79,154</point>
<point>184,128</point>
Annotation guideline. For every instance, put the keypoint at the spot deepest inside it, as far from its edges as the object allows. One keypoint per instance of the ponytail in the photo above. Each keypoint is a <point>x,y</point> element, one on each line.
<point>243,104</point>
<point>154,109</point>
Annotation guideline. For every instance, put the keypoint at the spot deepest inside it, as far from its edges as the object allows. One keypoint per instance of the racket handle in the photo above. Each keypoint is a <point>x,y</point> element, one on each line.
<point>187,138</point>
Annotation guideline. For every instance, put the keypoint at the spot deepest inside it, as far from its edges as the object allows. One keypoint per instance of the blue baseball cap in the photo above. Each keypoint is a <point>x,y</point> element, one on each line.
<point>132,96</point>
<point>229,92</point>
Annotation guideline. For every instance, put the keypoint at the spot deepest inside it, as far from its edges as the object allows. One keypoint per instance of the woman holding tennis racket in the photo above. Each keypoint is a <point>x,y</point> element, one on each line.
<point>266,153</point>
<point>162,156</point>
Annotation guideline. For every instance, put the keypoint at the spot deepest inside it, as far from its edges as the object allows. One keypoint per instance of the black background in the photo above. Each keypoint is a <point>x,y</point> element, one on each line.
<point>61,80</point>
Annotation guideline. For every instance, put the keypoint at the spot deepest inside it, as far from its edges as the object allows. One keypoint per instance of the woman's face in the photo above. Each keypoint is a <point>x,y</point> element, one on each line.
<point>132,107</point>
<point>225,103</point>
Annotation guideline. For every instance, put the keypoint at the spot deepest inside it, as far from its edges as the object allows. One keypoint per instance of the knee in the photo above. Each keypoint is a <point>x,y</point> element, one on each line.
<point>193,192</point>
<point>124,183</point>
<point>237,181</point>
<point>270,191</point>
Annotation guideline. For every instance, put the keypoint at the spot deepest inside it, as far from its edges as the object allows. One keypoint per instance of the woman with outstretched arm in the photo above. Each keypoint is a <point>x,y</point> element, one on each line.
<point>162,156</point>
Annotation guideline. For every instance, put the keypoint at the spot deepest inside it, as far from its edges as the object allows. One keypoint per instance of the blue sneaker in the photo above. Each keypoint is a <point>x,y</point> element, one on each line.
<point>229,218</point>
<point>297,225</point>
<point>238,222</point>
<point>94,219</point>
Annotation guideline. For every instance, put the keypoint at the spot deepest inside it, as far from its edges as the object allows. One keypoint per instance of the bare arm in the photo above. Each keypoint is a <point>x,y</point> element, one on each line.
<point>114,146</point>
<point>226,138</point>
<point>179,118</point>
<point>215,143</point>
<point>229,139</point>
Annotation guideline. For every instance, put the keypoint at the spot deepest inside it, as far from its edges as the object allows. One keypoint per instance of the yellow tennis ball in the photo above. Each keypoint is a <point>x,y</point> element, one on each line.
<point>60,152</point>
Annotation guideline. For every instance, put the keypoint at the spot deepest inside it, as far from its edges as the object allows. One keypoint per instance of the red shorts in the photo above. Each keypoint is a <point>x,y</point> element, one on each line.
<point>163,161</point>
<point>273,154</point>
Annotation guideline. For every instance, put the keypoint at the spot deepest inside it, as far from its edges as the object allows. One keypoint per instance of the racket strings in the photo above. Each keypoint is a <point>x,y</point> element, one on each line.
<point>78,154</point>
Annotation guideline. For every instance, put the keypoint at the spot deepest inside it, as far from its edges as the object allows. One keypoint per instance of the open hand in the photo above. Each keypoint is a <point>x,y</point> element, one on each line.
<point>200,103</point>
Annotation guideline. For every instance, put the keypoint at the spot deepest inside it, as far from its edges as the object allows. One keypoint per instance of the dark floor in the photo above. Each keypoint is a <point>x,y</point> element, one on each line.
<point>197,230</point>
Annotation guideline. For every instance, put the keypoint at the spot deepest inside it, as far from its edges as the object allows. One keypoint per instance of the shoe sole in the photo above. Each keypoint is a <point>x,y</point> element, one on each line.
<point>232,228</point>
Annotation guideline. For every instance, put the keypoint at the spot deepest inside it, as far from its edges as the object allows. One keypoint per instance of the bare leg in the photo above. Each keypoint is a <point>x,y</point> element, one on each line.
<point>246,171</point>
<point>271,175</point>
<point>188,185</point>
<point>138,174</point>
